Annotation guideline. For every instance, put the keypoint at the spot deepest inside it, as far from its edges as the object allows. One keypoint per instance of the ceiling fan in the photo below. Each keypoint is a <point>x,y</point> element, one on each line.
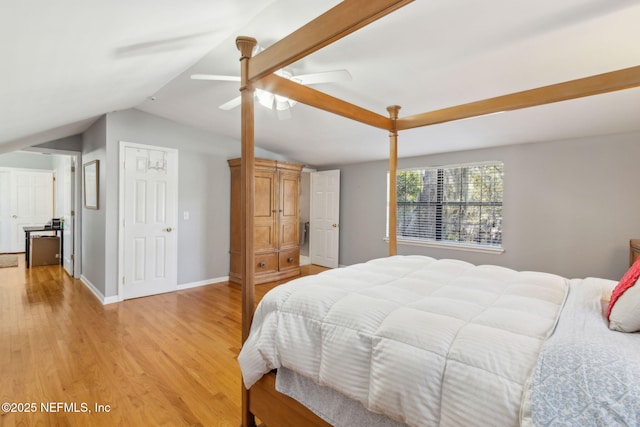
<point>276,102</point>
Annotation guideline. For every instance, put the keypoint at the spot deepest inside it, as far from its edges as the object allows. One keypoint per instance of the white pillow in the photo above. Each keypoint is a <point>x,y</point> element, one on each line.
<point>625,313</point>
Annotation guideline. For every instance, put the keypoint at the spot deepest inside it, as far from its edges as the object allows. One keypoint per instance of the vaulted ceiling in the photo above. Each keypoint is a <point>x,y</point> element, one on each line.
<point>68,62</point>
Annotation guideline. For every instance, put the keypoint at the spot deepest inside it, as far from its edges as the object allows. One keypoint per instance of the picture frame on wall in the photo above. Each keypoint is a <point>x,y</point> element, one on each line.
<point>91,184</point>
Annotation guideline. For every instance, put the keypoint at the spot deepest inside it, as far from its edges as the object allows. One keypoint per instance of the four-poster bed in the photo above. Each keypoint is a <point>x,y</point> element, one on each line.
<point>262,400</point>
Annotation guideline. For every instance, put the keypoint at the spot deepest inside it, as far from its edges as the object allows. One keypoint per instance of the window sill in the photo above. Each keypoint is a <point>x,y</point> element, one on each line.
<point>454,246</point>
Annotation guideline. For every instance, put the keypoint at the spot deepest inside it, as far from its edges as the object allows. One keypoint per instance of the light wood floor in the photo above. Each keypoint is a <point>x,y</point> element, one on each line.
<point>164,360</point>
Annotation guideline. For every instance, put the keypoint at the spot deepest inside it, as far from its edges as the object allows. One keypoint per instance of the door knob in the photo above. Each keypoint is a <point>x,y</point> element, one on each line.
<point>14,216</point>
<point>335,225</point>
<point>168,229</point>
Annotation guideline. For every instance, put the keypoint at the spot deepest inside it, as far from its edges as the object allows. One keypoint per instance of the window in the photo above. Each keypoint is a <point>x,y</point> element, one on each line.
<point>460,205</point>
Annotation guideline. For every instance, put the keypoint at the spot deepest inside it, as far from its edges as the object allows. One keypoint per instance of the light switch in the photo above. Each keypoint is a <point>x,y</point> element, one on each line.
<point>185,215</point>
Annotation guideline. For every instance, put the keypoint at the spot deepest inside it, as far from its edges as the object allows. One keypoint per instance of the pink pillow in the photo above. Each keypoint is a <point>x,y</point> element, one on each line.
<point>622,315</point>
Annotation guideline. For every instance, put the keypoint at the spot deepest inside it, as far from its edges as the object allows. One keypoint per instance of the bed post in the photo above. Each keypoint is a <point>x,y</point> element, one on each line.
<point>247,171</point>
<point>393,168</point>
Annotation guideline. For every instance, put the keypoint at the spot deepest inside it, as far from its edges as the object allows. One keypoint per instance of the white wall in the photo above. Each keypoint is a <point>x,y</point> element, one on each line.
<point>570,207</point>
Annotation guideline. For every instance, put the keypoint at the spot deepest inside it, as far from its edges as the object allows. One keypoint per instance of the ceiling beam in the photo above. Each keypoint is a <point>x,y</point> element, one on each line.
<point>345,18</point>
<point>314,98</point>
<point>594,85</point>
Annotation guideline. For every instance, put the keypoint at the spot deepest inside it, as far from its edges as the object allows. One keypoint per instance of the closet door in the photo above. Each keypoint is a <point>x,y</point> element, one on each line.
<point>31,203</point>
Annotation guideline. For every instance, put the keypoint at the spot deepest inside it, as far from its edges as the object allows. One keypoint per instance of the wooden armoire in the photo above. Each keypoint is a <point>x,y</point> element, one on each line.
<point>276,228</point>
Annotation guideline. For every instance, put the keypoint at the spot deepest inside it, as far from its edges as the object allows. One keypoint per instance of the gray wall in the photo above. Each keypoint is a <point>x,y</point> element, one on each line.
<point>570,207</point>
<point>305,207</point>
<point>93,221</point>
<point>70,143</point>
<point>203,186</point>
<point>203,182</point>
<point>23,160</point>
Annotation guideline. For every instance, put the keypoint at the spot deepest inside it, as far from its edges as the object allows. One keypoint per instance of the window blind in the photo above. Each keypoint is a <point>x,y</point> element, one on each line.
<point>457,204</point>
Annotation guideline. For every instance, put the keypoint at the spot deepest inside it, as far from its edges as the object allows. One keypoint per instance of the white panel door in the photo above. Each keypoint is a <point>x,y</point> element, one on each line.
<point>150,219</point>
<point>31,203</point>
<point>324,239</point>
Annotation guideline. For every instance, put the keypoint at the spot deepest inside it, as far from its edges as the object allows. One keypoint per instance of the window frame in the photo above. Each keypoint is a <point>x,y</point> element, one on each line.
<point>439,203</point>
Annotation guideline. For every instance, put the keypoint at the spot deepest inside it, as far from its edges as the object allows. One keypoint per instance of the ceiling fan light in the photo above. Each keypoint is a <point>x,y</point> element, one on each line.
<point>282,105</point>
<point>265,98</point>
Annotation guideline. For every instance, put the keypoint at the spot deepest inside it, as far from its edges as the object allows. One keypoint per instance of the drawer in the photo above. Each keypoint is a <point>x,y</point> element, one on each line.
<point>289,259</point>
<point>266,263</point>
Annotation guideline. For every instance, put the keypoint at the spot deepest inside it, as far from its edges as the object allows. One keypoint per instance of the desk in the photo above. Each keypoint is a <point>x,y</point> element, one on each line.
<point>27,242</point>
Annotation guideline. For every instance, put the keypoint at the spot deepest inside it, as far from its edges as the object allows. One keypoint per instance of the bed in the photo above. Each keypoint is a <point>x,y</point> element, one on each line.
<point>258,73</point>
<point>445,342</point>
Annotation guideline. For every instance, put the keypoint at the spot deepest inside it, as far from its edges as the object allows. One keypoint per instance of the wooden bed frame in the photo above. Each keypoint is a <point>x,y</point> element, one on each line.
<point>262,400</point>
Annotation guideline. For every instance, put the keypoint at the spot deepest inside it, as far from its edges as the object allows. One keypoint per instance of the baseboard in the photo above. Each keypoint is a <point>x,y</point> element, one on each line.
<point>202,283</point>
<point>305,260</point>
<point>104,300</point>
<point>110,300</point>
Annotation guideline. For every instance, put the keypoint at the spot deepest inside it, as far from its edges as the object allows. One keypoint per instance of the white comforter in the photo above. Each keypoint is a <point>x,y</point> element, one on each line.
<point>424,341</point>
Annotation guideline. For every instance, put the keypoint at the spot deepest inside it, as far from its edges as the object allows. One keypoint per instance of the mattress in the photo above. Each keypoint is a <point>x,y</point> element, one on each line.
<point>420,340</point>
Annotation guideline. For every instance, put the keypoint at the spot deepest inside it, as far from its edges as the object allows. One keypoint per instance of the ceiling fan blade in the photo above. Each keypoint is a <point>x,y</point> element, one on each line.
<point>325,77</point>
<point>231,104</point>
<point>215,77</point>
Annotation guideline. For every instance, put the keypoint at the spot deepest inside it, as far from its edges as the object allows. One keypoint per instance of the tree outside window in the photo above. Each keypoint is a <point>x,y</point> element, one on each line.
<point>455,204</point>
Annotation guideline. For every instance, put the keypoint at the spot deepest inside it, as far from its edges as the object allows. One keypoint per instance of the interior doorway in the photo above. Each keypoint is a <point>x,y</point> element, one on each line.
<point>37,185</point>
<point>324,240</point>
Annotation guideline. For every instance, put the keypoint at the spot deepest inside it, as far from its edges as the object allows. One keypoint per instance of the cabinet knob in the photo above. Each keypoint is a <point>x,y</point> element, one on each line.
<point>262,264</point>
<point>290,260</point>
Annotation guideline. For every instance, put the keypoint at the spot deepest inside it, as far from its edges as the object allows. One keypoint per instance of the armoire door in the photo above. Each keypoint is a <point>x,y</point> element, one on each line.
<point>288,209</point>
<point>265,214</point>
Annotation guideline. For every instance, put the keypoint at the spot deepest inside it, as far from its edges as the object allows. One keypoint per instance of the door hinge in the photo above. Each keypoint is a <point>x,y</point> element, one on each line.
<point>73,213</point>
<point>123,280</point>
<point>73,257</point>
<point>73,169</point>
